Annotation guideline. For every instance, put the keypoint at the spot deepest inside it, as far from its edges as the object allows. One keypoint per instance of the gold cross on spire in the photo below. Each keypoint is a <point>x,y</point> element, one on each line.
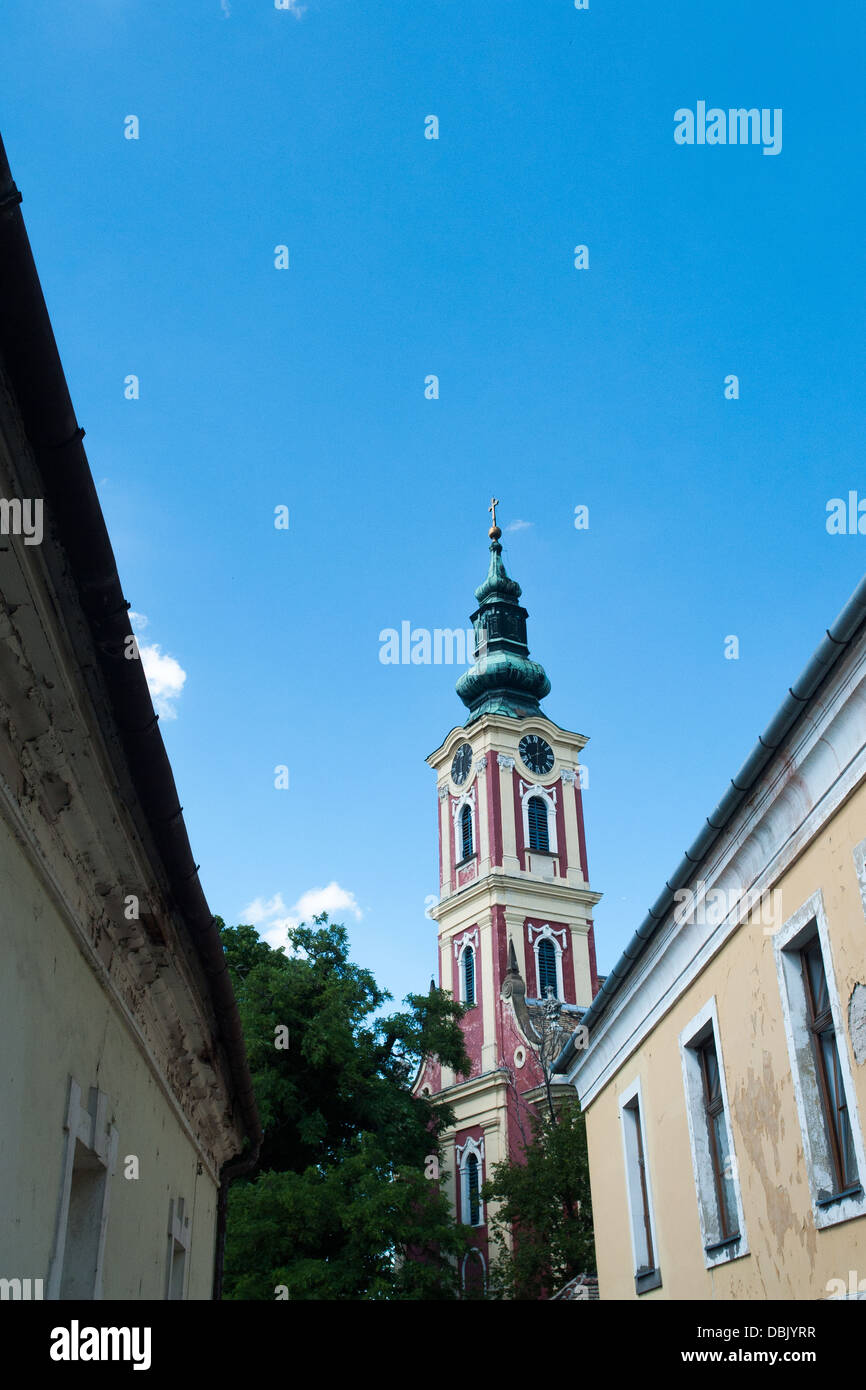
<point>495,532</point>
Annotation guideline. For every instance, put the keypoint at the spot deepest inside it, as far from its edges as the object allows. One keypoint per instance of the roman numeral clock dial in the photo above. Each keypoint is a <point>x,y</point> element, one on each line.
<point>461,764</point>
<point>537,754</point>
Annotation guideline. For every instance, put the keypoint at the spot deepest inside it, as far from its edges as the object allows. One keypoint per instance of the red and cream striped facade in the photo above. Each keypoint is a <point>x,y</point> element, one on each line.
<point>505,892</point>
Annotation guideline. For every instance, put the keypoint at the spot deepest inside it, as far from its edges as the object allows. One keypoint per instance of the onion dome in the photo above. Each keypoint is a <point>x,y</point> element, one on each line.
<point>503,680</point>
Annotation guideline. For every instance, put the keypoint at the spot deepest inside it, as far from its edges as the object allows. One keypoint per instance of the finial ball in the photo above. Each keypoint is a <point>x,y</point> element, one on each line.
<point>494,533</point>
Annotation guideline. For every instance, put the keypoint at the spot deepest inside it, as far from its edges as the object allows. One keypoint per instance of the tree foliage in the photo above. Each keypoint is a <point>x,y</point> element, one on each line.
<point>340,1206</point>
<point>545,1198</point>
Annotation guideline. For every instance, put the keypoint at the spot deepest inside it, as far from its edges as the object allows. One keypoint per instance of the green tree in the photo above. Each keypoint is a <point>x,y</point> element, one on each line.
<point>544,1200</point>
<point>341,1205</point>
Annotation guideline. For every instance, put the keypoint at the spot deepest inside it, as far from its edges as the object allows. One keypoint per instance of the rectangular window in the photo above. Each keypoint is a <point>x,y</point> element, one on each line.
<point>720,1208</point>
<point>646,1273</point>
<point>820,1067</point>
<point>178,1248</point>
<point>90,1154</point>
<point>537,816</point>
<point>717,1133</point>
<point>819,1020</point>
<point>473,1186</point>
<point>83,1226</point>
<point>468,962</point>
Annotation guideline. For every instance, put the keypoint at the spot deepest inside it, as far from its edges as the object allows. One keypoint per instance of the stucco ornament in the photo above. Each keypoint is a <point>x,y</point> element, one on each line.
<point>542,1022</point>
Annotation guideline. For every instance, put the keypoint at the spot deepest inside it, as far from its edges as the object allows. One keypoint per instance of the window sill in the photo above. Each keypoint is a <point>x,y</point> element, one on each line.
<point>722,1244</point>
<point>720,1252</point>
<point>832,1198</point>
<point>835,1208</point>
<point>646,1280</point>
<point>468,860</point>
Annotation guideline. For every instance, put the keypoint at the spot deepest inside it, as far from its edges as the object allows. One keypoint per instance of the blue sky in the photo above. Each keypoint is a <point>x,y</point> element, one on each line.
<point>409,257</point>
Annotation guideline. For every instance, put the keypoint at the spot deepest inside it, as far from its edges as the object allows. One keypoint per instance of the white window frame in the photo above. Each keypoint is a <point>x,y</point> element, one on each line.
<point>547,933</point>
<point>630,1118</point>
<point>469,938</point>
<point>467,799</point>
<point>860,869</point>
<point>786,942</point>
<point>462,1152</point>
<point>89,1127</point>
<point>461,966</point>
<point>695,1032</point>
<point>548,796</point>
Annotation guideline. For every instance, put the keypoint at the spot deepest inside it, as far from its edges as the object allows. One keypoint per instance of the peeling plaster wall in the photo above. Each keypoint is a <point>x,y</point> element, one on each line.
<point>789,1258</point>
<point>118,1003</point>
<point>58,1021</point>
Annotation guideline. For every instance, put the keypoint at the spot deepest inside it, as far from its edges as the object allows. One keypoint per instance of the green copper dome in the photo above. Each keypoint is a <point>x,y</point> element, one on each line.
<point>503,679</point>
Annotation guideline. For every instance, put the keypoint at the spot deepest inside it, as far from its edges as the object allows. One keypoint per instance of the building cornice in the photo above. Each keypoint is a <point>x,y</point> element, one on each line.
<point>511,732</point>
<point>487,1081</point>
<point>518,893</point>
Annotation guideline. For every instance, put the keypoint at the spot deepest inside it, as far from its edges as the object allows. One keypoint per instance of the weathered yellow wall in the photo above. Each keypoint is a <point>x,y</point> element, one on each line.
<point>789,1258</point>
<point>58,1021</point>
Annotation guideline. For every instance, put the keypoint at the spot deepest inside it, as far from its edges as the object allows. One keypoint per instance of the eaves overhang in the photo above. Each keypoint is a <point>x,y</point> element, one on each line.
<point>80,550</point>
<point>837,640</point>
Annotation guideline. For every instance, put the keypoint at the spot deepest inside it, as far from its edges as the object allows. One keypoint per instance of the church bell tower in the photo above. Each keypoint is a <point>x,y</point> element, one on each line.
<point>515,907</point>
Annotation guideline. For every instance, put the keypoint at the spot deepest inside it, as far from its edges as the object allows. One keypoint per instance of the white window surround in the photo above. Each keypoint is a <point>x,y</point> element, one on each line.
<point>702,1026</point>
<point>462,1152</point>
<point>467,799</point>
<point>630,1117</point>
<point>461,965</point>
<point>88,1127</point>
<point>860,869</point>
<point>547,933</point>
<point>469,938</point>
<point>473,1251</point>
<point>786,942</point>
<point>548,796</point>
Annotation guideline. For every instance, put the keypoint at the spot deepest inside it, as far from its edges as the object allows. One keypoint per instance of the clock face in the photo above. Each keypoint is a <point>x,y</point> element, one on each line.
<point>537,754</point>
<point>461,764</point>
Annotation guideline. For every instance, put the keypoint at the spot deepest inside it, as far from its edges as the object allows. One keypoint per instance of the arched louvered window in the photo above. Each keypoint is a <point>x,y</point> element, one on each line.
<point>466,831</point>
<point>546,968</point>
<point>474,1274</point>
<point>538,834</point>
<point>473,1189</point>
<point>469,976</point>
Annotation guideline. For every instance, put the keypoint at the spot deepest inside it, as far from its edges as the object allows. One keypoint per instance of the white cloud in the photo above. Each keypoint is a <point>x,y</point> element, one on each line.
<point>225,7</point>
<point>273,919</point>
<point>259,911</point>
<point>165,676</point>
<point>518,525</point>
